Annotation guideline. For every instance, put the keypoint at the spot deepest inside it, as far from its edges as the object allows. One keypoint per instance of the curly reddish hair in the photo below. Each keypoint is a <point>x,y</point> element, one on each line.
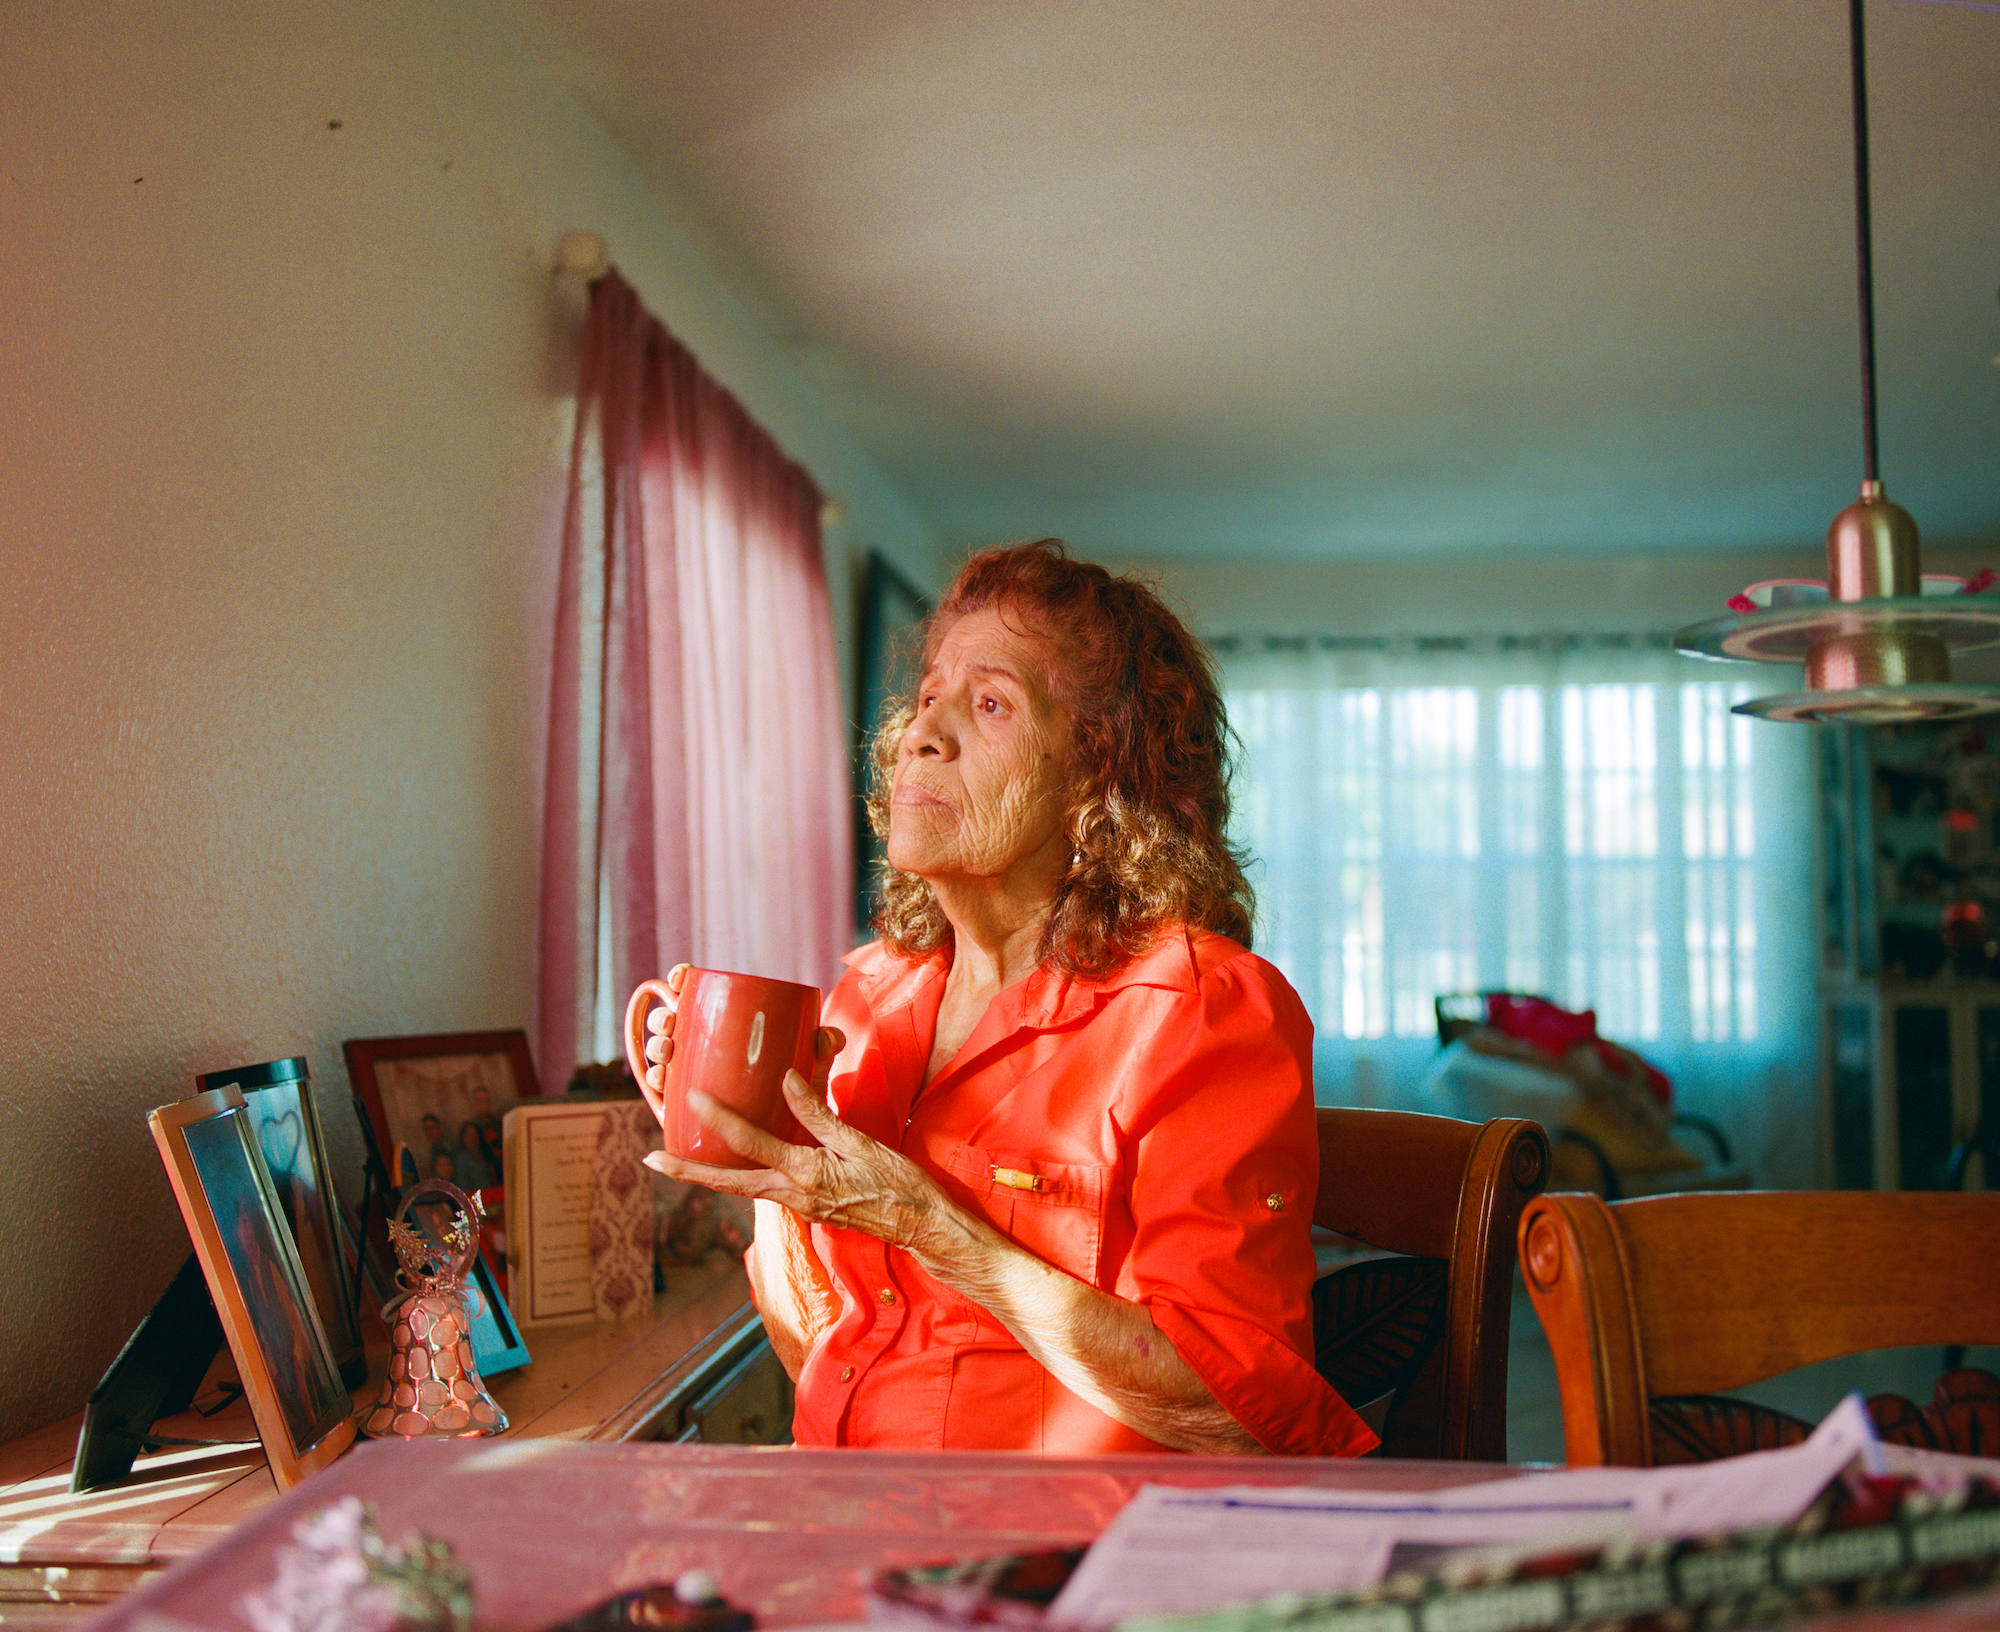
<point>1148,764</point>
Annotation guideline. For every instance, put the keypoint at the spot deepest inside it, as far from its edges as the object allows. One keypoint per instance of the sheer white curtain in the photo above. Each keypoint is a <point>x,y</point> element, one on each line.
<point>1581,818</point>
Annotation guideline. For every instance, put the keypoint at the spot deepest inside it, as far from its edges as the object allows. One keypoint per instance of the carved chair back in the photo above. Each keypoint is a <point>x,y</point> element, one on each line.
<point>1653,1307</point>
<point>1432,1324</point>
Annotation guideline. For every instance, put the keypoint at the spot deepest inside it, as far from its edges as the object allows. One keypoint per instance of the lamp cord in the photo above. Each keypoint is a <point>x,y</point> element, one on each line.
<point>1863,239</point>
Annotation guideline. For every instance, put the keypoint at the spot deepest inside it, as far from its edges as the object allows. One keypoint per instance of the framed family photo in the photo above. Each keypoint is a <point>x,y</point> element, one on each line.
<point>434,1103</point>
<point>262,1298</point>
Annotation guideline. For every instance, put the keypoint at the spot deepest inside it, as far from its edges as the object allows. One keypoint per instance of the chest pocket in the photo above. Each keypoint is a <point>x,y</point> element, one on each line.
<point>1054,1210</point>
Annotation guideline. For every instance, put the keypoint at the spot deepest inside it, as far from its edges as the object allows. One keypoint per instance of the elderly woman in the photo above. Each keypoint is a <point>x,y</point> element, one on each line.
<point>1061,1194</point>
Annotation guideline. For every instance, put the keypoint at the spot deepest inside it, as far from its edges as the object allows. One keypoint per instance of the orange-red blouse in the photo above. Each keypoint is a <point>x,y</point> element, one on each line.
<point>1151,1133</point>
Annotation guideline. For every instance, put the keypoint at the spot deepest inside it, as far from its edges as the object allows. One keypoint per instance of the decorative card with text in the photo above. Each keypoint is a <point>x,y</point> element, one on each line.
<point>551,1156</point>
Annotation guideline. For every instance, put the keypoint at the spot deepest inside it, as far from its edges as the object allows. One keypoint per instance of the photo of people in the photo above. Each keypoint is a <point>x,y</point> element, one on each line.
<point>267,1272</point>
<point>444,1115</point>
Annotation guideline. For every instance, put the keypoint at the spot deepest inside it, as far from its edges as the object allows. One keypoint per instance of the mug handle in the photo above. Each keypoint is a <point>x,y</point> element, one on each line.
<point>635,1024</point>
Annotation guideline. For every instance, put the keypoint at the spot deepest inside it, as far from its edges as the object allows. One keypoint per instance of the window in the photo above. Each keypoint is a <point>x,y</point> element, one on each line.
<point>1588,822</point>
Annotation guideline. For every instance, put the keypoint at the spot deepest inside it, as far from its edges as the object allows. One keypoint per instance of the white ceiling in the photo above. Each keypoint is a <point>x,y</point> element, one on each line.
<point>1354,277</point>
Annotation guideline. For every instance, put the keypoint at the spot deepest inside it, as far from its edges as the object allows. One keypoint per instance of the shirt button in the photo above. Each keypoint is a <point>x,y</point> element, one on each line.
<point>887,1294</point>
<point>1275,1202</point>
<point>847,1374</point>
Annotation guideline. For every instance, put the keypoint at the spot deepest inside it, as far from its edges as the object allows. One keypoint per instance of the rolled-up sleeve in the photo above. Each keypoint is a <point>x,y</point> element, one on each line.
<point>1224,1167</point>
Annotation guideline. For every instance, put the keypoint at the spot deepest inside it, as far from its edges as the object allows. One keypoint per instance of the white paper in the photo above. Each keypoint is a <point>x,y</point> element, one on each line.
<point>1173,1550</point>
<point>1918,1463</point>
<point>1177,1551</point>
<point>1759,1490</point>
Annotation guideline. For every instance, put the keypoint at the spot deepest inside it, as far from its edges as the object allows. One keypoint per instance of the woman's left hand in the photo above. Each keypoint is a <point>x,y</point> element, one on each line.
<point>846,1179</point>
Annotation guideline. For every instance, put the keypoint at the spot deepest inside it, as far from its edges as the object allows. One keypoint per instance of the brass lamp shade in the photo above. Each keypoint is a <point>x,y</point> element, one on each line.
<point>1871,549</point>
<point>1877,650</point>
<point>1876,638</point>
<point>1872,555</point>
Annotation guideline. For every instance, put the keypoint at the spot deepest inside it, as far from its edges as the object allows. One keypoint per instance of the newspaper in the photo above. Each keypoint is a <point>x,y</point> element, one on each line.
<point>1174,1550</point>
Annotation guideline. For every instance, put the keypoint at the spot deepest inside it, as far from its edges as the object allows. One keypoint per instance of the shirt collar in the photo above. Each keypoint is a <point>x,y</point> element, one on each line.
<point>1049,998</point>
<point>891,981</point>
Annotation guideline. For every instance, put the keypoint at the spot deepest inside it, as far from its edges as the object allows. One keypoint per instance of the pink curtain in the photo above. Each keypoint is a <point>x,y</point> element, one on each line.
<point>697,762</point>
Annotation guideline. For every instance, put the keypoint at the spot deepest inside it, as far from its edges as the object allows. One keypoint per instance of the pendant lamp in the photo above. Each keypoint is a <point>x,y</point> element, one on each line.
<point>1876,638</point>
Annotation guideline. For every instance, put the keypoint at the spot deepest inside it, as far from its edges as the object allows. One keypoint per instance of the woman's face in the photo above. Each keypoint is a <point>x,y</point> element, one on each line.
<point>980,773</point>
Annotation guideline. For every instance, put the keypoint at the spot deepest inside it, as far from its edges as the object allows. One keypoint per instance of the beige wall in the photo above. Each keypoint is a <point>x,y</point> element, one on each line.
<point>281,413</point>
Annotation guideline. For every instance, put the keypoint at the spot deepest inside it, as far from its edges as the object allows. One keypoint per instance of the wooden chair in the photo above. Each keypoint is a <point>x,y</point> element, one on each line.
<point>1431,1325</point>
<point>1654,1306</point>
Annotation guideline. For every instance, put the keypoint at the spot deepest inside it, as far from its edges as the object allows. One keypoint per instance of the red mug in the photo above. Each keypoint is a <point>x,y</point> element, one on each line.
<point>735,1037</point>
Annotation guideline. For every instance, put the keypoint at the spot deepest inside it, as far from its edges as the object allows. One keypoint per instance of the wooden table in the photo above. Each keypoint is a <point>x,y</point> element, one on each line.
<point>550,1527</point>
<point>64,1557</point>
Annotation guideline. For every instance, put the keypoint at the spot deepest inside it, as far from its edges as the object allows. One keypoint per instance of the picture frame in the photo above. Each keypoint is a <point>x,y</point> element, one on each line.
<point>262,1298</point>
<point>156,1374</point>
<point>367,1237</point>
<point>497,1344</point>
<point>890,610</point>
<point>279,1097</point>
<point>400,1081</point>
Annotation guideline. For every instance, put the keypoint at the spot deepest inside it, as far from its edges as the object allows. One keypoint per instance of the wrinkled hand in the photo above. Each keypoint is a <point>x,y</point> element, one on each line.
<point>846,1179</point>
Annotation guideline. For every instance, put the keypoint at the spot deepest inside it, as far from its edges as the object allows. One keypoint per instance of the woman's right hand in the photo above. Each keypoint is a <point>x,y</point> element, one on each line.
<point>660,1044</point>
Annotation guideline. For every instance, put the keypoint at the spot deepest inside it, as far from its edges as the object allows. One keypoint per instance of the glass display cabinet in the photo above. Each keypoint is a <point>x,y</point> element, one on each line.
<point>1910,994</point>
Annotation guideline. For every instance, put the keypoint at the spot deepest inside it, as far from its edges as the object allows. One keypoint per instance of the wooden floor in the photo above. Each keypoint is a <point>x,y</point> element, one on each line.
<point>64,1556</point>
